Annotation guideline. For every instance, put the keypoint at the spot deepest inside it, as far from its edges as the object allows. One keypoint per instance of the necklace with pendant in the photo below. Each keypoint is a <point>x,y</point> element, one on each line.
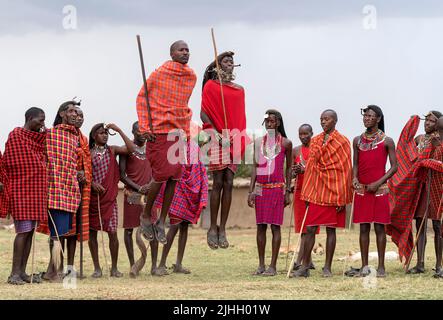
<point>99,151</point>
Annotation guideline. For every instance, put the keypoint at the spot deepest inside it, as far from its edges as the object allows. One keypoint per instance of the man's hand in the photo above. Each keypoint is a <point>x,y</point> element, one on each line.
<point>81,177</point>
<point>98,188</point>
<point>150,137</point>
<point>1,187</point>
<point>251,200</point>
<point>145,189</point>
<point>372,187</point>
<point>356,184</point>
<point>341,208</point>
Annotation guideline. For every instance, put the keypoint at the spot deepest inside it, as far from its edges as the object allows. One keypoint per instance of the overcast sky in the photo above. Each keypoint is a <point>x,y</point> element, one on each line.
<point>299,57</point>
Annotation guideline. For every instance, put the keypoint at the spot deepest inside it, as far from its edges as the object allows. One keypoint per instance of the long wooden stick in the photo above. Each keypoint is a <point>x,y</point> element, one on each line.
<point>142,63</point>
<point>103,239</point>
<point>33,256</point>
<point>298,242</point>
<point>290,223</point>
<point>219,77</point>
<point>425,217</point>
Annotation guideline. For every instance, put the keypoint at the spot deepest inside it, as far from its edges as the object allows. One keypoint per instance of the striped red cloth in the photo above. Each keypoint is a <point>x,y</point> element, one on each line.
<point>169,90</point>
<point>83,164</point>
<point>191,192</point>
<point>25,163</point>
<point>405,188</point>
<point>328,175</point>
<point>64,191</point>
<point>4,199</point>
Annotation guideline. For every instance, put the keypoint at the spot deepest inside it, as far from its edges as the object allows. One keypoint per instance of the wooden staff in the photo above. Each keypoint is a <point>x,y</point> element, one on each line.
<point>101,229</point>
<point>290,223</point>
<point>425,217</point>
<point>142,63</point>
<point>298,242</point>
<point>217,66</point>
<point>33,255</point>
<point>352,212</point>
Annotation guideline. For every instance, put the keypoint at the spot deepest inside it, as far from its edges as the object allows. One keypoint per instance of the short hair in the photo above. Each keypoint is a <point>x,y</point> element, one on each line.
<point>174,45</point>
<point>32,113</point>
<point>63,107</point>
<point>334,114</point>
<point>306,125</point>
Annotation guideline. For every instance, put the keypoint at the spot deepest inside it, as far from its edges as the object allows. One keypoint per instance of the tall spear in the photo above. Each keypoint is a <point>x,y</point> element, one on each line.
<point>142,63</point>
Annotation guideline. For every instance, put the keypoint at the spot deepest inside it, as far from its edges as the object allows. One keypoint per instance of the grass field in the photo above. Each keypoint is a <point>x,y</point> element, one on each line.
<point>226,274</point>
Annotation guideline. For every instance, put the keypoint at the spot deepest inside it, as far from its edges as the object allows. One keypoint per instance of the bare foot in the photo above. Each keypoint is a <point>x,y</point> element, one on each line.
<point>160,271</point>
<point>259,271</point>
<point>381,273</point>
<point>270,272</point>
<point>180,269</point>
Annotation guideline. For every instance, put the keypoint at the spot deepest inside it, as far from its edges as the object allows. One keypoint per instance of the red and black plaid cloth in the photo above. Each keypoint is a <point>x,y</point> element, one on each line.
<point>25,162</point>
<point>405,188</point>
<point>4,201</point>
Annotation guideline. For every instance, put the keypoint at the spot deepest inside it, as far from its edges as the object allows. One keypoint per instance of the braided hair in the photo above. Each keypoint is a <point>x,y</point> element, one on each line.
<point>278,116</point>
<point>210,72</point>
<point>64,106</point>
<point>379,113</point>
<point>93,132</point>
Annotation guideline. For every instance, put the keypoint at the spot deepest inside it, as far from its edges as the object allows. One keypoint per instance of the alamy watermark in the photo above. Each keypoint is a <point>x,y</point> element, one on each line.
<point>70,21</point>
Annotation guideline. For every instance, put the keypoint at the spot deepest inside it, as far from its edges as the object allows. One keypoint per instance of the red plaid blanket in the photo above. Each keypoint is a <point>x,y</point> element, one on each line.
<point>25,163</point>
<point>4,201</point>
<point>405,188</point>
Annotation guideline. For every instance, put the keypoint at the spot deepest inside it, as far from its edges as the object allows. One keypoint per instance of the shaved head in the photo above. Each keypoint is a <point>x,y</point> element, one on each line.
<point>175,45</point>
<point>331,113</point>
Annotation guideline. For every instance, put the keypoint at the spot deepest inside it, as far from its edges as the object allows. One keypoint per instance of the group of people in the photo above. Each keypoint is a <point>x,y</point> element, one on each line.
<point>59,182</point>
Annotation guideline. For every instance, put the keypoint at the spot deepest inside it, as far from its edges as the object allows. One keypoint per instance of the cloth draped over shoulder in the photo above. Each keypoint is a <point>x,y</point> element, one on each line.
<point>108,175</point>
<point>169,89</point>
<point>234,98</point>
<point>25,163</point>
<point>405,188</point>
<point>191,191</point>
<point>4,198</point>
<point>328,174</point>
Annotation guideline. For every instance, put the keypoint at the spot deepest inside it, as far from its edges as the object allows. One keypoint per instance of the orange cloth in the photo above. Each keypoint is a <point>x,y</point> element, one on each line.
<point>328,175</point>
<point>169,90</point>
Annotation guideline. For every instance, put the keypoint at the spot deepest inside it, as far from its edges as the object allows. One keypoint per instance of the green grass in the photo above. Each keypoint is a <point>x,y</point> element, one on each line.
<point>226,274</point>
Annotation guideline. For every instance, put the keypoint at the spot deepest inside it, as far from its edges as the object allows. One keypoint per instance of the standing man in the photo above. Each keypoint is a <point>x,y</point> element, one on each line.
<point>300,156</point>
<point>64,191</point>
<point>169,89</point>
<point>227,124</point>
<point>136,174</point>
<point>371,151</point>
<point>327,188</point>
<point>25,163</point>
<point>409,189</point>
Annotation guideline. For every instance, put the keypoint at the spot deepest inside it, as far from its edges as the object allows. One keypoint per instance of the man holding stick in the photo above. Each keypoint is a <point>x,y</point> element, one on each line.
<point>326,188</point>
<point>164,117</point>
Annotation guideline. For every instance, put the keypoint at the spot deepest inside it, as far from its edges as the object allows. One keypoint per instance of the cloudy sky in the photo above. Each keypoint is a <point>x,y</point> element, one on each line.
<point>300,57</point>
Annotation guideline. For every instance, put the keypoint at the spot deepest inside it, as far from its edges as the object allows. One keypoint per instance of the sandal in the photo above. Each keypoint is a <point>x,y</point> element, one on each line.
<point>270,272</point>
<point>35,278</point>
<point>160,234</point>
<point>300,273</point>
<point>364,272</point>
<point>415,270</point>
<point>352,272</point>
<point>326,273</point>
<point>381,273</point>
<point>97,274</point>
<point>116,274</point>
<point>147,229</point>
<point>160,271</point>
<point>259,271</point>
<point>180,269</point>
<point>296,266</point>
<point>16,280</point>
<point>222,241</point>
<point>212,239</point>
